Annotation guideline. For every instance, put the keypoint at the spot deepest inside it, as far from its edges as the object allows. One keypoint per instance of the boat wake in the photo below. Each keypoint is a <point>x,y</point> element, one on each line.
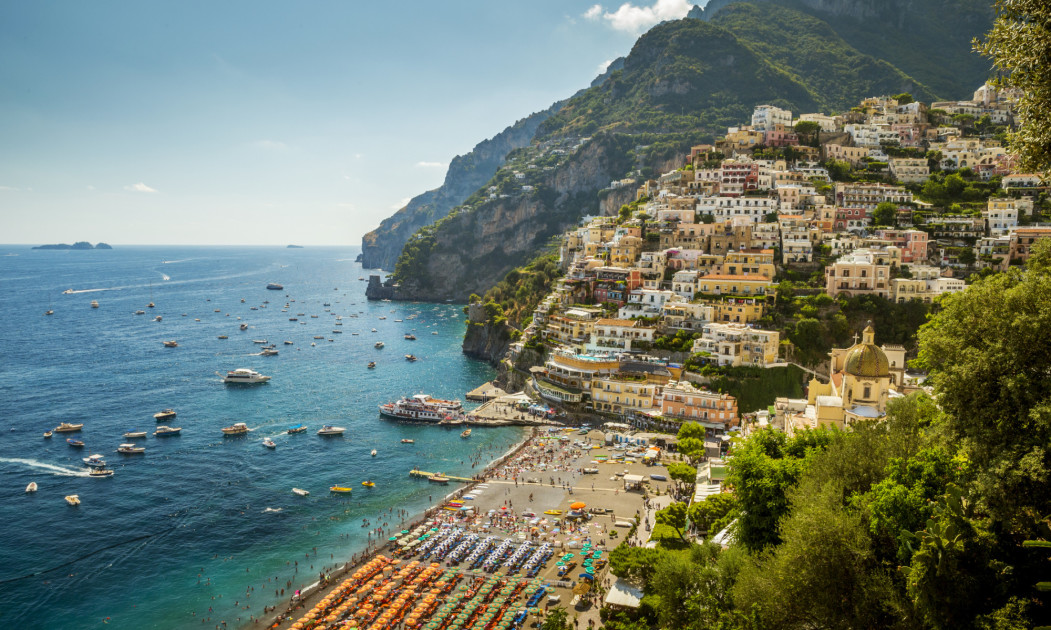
<point>55,470</point>
<point>270,509</point>
<point>165,277</point>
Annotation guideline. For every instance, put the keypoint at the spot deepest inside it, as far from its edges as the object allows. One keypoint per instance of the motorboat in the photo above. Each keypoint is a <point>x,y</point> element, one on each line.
<point>299,428</point>
<point>75,443</point>
<point>260,341</point>
<point>162,416</point>
<point>165,431</point>
<point>288,343</point>
<point>301,492</point>
<point>379,344</point>
<point>101,472</point>
<point>134,435</point>
<point>328,429</point>
<point>293,319</point>
<point>238,428</point>
<point>368,484</point>
<point>223,337</point>
<point>374,330</point>
<point>131,449</point>
<point>434,332</point>
<point>48,434</point>
<point>94,304</point>
<point>341,489</point>
<point>95,461</point>
<point>373,453</point>
<point>438,478</point>
<point>410,357</point>
<point>410,337</point>
<point>158,318</point>
<point>72,499</point>
<point>67,427</point>
<point>171,343</point>
<point>268,352</point>
<point>140,312</point>
<point>407,441</point>
<point>244,326</point>
<point>337,332</point>
<point>372,364</point>
<point>319,336</point>
<point>466,433</point>
<point>267,442</point>
<point>32,487</point>
<point>273,286</point>
<point>244,376</point>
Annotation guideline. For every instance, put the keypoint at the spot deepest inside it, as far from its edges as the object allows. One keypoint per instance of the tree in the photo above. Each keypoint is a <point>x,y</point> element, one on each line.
<point>557,619</point>
<point>709,516</point>
<point>904,98</point>
<point>1018,44</point>
<point>692,449</point>
<point>808,130</point>
<point>683,474</point>
<point>886,213</point>
<point>635,564</point>
<point>674,516</point>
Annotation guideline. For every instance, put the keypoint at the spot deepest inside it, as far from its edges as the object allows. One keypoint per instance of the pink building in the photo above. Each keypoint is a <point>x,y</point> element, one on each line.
<point>912,243</point>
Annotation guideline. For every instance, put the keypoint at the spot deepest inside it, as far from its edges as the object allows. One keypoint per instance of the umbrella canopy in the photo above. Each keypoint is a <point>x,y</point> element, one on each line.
<point>579,505</point>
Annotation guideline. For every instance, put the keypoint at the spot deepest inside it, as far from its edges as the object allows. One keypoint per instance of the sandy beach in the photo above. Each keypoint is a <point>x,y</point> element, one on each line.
<point>513,500</point>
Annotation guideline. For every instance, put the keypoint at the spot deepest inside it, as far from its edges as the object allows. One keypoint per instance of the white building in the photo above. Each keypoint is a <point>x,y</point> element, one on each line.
<point>764,117</point>
<point>738,344</point>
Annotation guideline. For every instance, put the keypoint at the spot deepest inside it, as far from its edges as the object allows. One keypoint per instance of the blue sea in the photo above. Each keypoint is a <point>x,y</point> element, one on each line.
<point>202,520</point>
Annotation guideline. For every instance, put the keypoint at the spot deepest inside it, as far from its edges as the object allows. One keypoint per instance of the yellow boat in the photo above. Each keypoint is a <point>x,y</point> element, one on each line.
<point>343,489</point>
<point>553,512</point>
<point>367,484</point>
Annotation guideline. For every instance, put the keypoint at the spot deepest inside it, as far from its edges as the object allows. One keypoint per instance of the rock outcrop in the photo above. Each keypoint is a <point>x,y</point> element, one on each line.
<point>381,247</point>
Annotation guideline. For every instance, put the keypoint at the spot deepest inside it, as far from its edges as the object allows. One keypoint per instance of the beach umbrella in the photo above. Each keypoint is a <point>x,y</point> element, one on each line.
<point>579,505</point>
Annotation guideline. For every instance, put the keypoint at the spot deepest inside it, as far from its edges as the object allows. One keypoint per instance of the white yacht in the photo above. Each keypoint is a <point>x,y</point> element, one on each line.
<point>131,449</point>
<point>328,429</point>
<point>95,461</point>
<point>244,376</point>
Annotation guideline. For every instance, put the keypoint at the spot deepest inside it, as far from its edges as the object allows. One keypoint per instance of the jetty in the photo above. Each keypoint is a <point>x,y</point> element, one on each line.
<point>424,474</point>
<point>485,392</point>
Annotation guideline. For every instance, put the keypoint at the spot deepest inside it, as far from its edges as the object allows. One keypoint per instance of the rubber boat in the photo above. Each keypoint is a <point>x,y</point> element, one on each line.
<point>72,499</point>
<point>299,428</point>
<point>368,484</point>
<point>301,492</point>
<point>341,489</point>
<point>32,487</point>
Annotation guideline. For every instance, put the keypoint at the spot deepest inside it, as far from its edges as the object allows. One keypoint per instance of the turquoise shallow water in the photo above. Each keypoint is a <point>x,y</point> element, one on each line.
<point>200,518</point>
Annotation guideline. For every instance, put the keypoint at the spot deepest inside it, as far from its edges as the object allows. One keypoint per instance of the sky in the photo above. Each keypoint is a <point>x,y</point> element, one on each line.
<point>270,123</point>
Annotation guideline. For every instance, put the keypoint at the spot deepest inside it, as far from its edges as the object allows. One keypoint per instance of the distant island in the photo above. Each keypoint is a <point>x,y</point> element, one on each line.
<point>295,247</point>
<point>77,245</point>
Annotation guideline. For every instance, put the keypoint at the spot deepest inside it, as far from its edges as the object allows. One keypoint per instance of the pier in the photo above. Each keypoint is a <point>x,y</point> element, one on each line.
<point>485,392</point>
<point>421,473</point>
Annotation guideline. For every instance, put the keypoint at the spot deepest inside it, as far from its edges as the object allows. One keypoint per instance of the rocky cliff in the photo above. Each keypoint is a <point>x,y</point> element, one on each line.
<point>468,252</point>
<point>380,247</point>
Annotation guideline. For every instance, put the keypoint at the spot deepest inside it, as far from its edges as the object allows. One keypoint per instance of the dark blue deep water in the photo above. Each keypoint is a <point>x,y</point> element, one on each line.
<point>200,518</point>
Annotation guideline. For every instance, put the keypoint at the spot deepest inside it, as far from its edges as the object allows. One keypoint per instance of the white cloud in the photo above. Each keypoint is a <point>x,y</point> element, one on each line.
<point>635,19</point>
<point>430,164</point>
<point>346,205</point>
<point>602,67</point>
<point>274,145</point>
<point>140,187</point>
<point>90,187</point>
<point>8,188</point>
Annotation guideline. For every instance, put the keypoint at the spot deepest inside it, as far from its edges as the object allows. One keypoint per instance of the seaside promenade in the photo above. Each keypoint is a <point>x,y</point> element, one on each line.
<point>498,547</point>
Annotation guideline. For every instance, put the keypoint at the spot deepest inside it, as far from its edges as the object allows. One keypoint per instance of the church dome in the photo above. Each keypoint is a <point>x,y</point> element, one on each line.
<point>866,359</point>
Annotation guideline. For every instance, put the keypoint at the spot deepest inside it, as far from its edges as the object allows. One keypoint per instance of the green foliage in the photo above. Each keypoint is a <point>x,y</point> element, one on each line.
<point>673,516</point>
<point>1018,45</point>
<point>756,388</point>
<point>635,564</point>
<point>556,619</point>
<point>683,475</point>
<point>682,341</point>
<point>713,514</point>
<point>886,213</point>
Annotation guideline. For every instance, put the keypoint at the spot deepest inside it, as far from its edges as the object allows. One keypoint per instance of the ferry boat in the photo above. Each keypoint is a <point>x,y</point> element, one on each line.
<point>328,429</point>
<point>273,286</point>
<point>167,414</point>
<point>164,431</point>
<point>299,428</point>
<point>244,376</point>
<point>421,407</point>
<point>66,427</point>
<point>131,449</point>
<point>238,428</point>
<point>134,435</point>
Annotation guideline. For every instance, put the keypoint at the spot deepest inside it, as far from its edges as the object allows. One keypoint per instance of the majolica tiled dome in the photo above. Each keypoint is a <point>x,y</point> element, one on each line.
<point>866,359</point>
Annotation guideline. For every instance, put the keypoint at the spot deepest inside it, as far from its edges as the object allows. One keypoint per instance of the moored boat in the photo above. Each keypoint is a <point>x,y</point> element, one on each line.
<point>67,427</point>
<point>131,449</point>
<point>32,487</point>
<point>301,492</point>
<point>421,407</point>
<point>273,286</point>
<point>133,435</point>
<point>342,489</point>
<point>94,304</point>
<point>407,441</point>
<point>379,344</point>
<point>167,414</point>
<point>328,429</point>
<point>368,484</point>
<point>411,337</point>
<point>244,376</point>
<point>164,431</point>
<point>244,326</point>
<point>48,434</point>
<point>238,428</point>
<point>410,357</point>
<point>438,478</point>
<point>466,433</point>
<point>373,452</point>
<point>223,337</point>
<point>371,365</point>
<point>75,443</point>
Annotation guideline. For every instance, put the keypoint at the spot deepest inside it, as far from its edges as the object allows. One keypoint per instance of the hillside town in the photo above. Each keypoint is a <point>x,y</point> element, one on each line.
<point>894,199</point>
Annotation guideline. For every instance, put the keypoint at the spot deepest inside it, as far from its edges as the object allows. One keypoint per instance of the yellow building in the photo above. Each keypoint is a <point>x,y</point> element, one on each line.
<point>619,394</point>
<point>733,284</point>
<point>751,262</point>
